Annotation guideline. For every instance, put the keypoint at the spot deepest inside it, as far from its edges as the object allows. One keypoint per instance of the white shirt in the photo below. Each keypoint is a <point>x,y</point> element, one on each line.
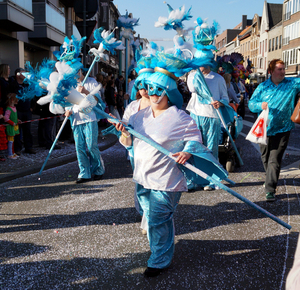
<point>218,89</point>
<point>81,118</point>
<point>172,129</point>
<point>131,109</point>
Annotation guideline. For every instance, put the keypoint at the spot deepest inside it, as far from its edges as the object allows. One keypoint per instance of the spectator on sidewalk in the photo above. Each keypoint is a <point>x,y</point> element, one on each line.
<point>11,118</point>
<point>46,133</point>
<point>110,96</point>
<point>120,103</point>
<point>3,138</point>
<point>277,93</point>
<point>4,84</point>
<point>120,83</point>
<point>24,109</point>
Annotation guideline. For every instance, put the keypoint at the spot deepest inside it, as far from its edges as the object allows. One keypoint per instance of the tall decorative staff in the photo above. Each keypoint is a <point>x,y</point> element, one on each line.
<point>58,86</point>
<point>127,23</point>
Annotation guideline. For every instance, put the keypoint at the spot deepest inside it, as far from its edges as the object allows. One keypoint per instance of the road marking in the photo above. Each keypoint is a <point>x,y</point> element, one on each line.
<point>247,123</point>
<point>291,169</point>
<point>250,116</point>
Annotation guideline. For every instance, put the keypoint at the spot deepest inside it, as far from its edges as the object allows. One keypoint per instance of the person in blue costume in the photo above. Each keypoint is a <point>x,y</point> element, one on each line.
<point>278,93</point>
<point>85,131</point>
<point>139,101</point>
<point>203,111</point>
<point>163,178</point>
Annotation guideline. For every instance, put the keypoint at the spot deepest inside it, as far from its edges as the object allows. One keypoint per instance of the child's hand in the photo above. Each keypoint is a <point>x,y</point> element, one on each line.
<point>182,157</point>
<point>19,122</point>
<point>1,116</point>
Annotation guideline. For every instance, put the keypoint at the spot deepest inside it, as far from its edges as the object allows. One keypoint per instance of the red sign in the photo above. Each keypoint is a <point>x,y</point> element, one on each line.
<point>258,131</point>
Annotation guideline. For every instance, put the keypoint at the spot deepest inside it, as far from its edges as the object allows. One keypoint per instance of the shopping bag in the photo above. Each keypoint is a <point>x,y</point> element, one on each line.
<point>258,132</point>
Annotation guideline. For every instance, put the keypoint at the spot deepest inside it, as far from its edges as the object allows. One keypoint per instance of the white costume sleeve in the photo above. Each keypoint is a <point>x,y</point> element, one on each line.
<point>130,110</point>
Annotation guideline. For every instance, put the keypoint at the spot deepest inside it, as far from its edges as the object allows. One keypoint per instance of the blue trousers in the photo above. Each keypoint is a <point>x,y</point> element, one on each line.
<point>86,137</point>
<point>159,207</point>
<point>210,129</point>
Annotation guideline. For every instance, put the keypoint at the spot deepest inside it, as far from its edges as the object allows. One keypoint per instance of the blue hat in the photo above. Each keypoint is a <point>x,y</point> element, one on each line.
<point>166,80</point>
<point>140,81</point>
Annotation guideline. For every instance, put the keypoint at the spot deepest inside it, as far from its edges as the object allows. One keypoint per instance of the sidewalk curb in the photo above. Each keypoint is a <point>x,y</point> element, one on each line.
<point>51,163</point>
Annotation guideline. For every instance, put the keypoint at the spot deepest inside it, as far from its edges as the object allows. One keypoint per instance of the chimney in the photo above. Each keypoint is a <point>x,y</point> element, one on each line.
<point>244,21</point>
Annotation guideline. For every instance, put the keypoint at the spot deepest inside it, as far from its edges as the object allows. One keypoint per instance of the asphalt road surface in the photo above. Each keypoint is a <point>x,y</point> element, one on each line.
<point>55,234</point>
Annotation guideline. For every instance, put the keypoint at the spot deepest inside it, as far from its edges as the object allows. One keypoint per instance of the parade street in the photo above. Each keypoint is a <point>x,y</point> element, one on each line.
<point>56,234</point>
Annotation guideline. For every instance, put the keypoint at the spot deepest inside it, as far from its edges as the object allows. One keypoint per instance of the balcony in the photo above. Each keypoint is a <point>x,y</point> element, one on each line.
<point>16,15</point>
<point>49,24</point>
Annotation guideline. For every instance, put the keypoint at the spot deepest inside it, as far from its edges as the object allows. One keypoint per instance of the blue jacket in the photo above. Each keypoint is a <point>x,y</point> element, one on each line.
<point>280,99</point>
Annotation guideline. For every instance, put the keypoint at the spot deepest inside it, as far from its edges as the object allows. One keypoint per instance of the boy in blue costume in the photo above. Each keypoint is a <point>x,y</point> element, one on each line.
<point>278,93</point>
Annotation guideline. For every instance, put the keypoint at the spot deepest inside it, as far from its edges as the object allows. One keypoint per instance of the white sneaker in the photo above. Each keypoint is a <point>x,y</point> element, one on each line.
<point>12,157</point>
<point>207,188</point>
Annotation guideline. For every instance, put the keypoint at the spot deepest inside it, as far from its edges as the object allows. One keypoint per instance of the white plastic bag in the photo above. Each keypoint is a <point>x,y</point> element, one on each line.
<point>258,132</point>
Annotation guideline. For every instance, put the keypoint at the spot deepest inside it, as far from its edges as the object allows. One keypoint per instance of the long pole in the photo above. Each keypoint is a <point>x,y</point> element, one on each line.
<point>84,32</point>
<point>196,170</point>
<point>222,120</point>
<point>52,147</point>
<point>126,64</point>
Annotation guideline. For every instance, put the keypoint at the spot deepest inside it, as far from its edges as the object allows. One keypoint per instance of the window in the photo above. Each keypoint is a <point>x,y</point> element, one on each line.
<point>273,44</point>
<point>276,47</point>
<point>270,45</point>
<point>287,10</point>
<point>290,32</point>
<point>290,57</point>
<point>280,41</point>
<point>260,48</point>
<point>266,45</point>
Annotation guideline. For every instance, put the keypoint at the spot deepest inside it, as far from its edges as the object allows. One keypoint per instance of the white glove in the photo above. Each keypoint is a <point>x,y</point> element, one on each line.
<point>87,104</point>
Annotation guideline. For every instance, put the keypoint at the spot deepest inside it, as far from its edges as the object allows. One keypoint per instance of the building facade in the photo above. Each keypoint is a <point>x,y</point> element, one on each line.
<point>228,35</point>
<point>270,40</point>
<point>30,30</point>
<point>291,36</point>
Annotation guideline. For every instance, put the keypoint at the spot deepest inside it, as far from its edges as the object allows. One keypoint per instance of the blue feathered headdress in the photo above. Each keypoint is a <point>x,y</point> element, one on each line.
<point>175,18</point>
<point>107,41</point>
<point>127,22</point>
<point>70,49</point>
<point>203,37</point>
<point>145,67</point>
